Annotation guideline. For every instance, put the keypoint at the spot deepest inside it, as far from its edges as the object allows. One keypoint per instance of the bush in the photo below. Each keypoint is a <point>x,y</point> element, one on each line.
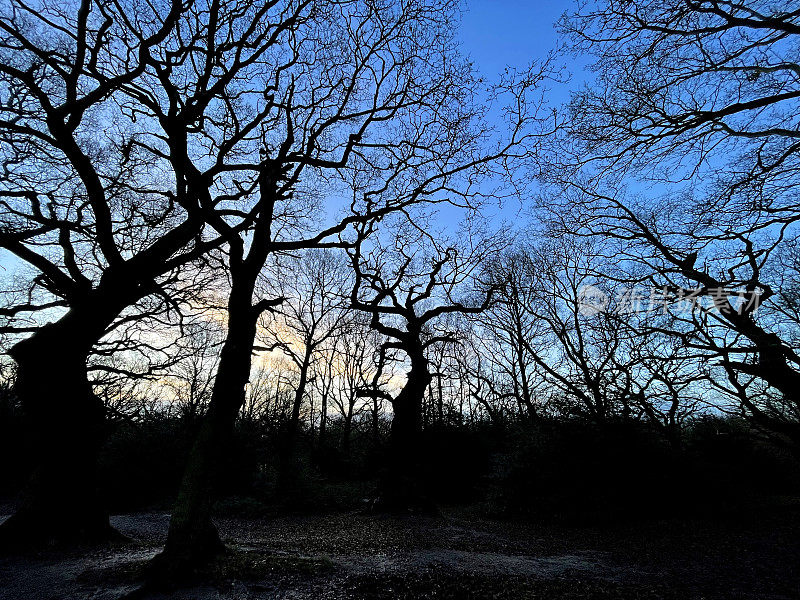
<point>141,463</point>
<point>578,471</point>
<point>455,463</point>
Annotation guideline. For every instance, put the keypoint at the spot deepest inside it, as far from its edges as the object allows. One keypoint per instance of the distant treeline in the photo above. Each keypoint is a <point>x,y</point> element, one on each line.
<point>568,469</point>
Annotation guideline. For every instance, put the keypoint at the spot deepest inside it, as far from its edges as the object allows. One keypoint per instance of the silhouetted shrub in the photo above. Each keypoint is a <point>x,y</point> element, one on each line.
<point>141,463</point>
<point>569,470</point>
<point>739,460</point>
<point>580,471</point>
<point>455,462</point>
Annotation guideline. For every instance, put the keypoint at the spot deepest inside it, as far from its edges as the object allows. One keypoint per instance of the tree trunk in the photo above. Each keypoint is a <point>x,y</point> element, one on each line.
<point>323,422</point>
<point>193,538</point>
<point>401,488</point>
<point>348,428</point>
<point>61,503</point>
<point>289,472</point>
<point>376,432</point>
<point>440,404</point>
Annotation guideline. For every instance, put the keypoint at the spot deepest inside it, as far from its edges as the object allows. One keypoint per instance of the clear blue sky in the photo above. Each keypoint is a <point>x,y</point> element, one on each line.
<point>496,33</point>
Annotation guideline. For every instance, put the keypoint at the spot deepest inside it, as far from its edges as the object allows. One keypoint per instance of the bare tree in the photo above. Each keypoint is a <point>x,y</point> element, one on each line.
<point>192,378</point>
<point>315,287</point>
<point>353,100</point>
<point>357,347</point>
<point>507,331</point>
<point>270,392</point>
<point>587,351</point>
<point>704,93</point>
<point>406,289</point>
<point>86,206</point>
<point>482,374</point>
<point>671,385</point>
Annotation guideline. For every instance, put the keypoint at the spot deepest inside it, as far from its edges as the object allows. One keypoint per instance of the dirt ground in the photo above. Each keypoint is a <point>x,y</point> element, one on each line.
<point>752,554</point>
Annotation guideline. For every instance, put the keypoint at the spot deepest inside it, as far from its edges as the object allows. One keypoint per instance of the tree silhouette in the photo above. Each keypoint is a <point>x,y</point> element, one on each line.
<point>704,93</point>
<point>352,100</point>
<point>406,290</point>
<point>101,229</point>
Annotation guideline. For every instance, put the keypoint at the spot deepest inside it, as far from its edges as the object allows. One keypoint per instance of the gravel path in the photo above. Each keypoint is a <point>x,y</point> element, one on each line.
<point>352,555</point>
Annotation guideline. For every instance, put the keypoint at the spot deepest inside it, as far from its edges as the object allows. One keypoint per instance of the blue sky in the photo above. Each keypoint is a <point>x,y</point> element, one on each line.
<point>496,33</point>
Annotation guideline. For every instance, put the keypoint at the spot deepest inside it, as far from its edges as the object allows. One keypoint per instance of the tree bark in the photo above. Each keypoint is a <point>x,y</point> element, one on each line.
<point>193,539</point>
<point>402,488</point>
<point>60,503</point>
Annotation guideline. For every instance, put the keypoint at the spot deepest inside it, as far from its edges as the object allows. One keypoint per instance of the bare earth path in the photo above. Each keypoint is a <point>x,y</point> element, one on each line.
<point>351,555</point>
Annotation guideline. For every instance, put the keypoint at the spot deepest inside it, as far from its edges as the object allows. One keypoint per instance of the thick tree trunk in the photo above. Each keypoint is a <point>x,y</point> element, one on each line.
<point>66,420</point>
<point>193,538</point>
<point>60,503</point>
<point>402,488</point>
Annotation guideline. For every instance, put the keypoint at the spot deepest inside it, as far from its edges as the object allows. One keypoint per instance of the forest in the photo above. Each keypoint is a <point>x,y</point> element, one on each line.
<point>298,300</point>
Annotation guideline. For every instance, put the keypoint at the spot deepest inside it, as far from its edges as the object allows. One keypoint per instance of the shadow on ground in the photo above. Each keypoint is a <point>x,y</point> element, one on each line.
<point>751,554</point>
